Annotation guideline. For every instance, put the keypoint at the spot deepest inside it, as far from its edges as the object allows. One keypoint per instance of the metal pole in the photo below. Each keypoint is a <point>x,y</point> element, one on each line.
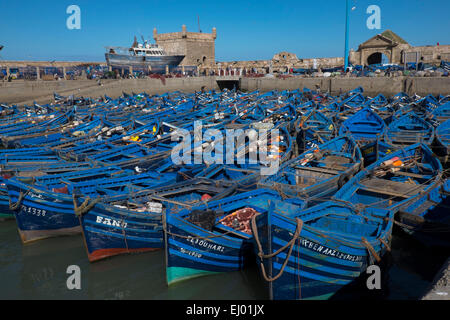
<point>347,8</point>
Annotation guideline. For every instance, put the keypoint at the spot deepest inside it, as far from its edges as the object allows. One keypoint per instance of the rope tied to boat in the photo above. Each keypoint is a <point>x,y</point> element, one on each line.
<point>15,206</point>
<point>289,245</point>
<point>84,207</point>
<point>388,248</point>
<point>370,249</point>
<point>124,233</point>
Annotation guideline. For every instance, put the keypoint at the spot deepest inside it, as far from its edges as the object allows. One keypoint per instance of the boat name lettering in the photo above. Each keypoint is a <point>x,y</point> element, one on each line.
<point>111,222</point>
<point>206,244</point>
<point>328,251</point>
<point>35,195</point>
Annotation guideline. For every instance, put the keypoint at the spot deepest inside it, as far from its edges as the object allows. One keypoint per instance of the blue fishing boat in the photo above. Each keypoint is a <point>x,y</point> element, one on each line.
<point>30,172</point>
<point>199,242</point>
<point>408,182</point>
<point>40,213</point>
<point>130,223</point>
<point>443,138</point>
<point>365,126</point>
<point>442,113</point>
<point>5,212</point>
<point>376,150</point>
<point>319,172</point>
<point>47,206</point>
<point>316,128</point>
<point>313,253</point>
<point>409,129</point>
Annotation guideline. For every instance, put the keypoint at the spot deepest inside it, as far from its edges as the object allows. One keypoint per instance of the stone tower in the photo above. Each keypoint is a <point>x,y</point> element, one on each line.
<point>197,47</point>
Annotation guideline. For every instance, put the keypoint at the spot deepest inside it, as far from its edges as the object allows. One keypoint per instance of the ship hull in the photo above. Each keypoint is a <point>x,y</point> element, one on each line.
<point>156,64</point>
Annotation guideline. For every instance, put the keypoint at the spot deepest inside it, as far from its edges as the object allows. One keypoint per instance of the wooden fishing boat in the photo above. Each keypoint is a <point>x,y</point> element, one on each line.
<point>365,126</point>
<point>442,113</point>
<point>130,223</point>
<point>45,168</point>
<point>316,129</point>
<point>408,130</point>
<point>5,212</point>
<point>443,139</point>
<point>408,182</point>
<point>313,253</point>
<point>197,243</point>
<point>319,172</point>
<point>376,150</point>
<point>44,207</point>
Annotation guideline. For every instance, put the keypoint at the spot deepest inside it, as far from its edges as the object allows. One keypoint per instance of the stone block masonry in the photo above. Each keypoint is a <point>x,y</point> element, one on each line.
<point>25,92</point>
<point>197,47</point>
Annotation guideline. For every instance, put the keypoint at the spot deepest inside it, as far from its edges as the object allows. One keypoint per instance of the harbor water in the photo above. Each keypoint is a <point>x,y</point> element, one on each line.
<point>38,271</point>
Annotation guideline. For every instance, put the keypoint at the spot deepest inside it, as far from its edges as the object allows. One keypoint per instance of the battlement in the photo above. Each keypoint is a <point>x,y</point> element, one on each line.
<point>184,34</point>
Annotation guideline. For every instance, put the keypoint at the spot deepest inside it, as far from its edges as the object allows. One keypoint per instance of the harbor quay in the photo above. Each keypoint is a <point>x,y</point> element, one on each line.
<point>20,91</point>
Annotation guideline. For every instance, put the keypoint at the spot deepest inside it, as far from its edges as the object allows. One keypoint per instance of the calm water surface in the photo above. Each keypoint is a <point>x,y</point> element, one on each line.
<point>38,271</point>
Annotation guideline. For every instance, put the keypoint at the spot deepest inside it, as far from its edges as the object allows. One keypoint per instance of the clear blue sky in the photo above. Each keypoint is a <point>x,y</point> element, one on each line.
<point>246,29</point>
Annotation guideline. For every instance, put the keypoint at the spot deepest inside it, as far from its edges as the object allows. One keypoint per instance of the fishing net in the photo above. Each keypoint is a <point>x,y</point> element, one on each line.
<point>240,219</point>
<point>205,219</point>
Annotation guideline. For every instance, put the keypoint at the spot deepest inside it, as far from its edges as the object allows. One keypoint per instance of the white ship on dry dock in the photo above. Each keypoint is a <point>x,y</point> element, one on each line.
<point>142,55</point>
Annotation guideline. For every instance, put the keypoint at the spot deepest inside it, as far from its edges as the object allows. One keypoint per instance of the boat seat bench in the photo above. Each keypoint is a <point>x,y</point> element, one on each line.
<point>388,187</point>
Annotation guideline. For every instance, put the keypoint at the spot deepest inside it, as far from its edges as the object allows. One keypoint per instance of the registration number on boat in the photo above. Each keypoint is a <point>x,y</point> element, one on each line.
<point>33,211</point>
<point>191,253</point>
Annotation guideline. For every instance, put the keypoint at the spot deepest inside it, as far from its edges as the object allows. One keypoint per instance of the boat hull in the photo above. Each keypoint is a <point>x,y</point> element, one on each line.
<point>156,64</point>
<point>320,263</point>
<point>109,231</point>
<point>42,214</point>
<point>193,252</point>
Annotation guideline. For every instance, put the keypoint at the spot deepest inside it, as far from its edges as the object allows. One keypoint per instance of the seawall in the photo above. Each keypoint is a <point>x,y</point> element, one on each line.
<point>25,92</point>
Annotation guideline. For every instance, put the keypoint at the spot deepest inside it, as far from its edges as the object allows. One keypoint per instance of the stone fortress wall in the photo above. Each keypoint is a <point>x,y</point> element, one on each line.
<point>197,47</point>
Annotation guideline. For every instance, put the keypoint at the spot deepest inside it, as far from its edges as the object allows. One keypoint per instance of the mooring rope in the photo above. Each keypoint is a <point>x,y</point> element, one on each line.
<point>262,255</point>
<point>15,206</point>
<point>84,207</point>
<point>370,249</point>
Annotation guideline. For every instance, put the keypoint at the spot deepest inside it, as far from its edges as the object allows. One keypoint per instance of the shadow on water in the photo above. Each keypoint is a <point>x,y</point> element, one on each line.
<point>406,273</point>
<point>38,271</point>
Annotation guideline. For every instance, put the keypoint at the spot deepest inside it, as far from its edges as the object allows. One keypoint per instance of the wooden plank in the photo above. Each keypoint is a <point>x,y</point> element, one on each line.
<point>382,191</point>
<point>317,169</point>
<point>337,159</point>
<point>410,174</point>
<point>389,187</point>
<point>332,165</point>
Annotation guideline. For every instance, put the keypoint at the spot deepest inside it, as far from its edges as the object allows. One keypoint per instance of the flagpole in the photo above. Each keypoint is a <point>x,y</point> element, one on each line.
<point>347,9</point>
